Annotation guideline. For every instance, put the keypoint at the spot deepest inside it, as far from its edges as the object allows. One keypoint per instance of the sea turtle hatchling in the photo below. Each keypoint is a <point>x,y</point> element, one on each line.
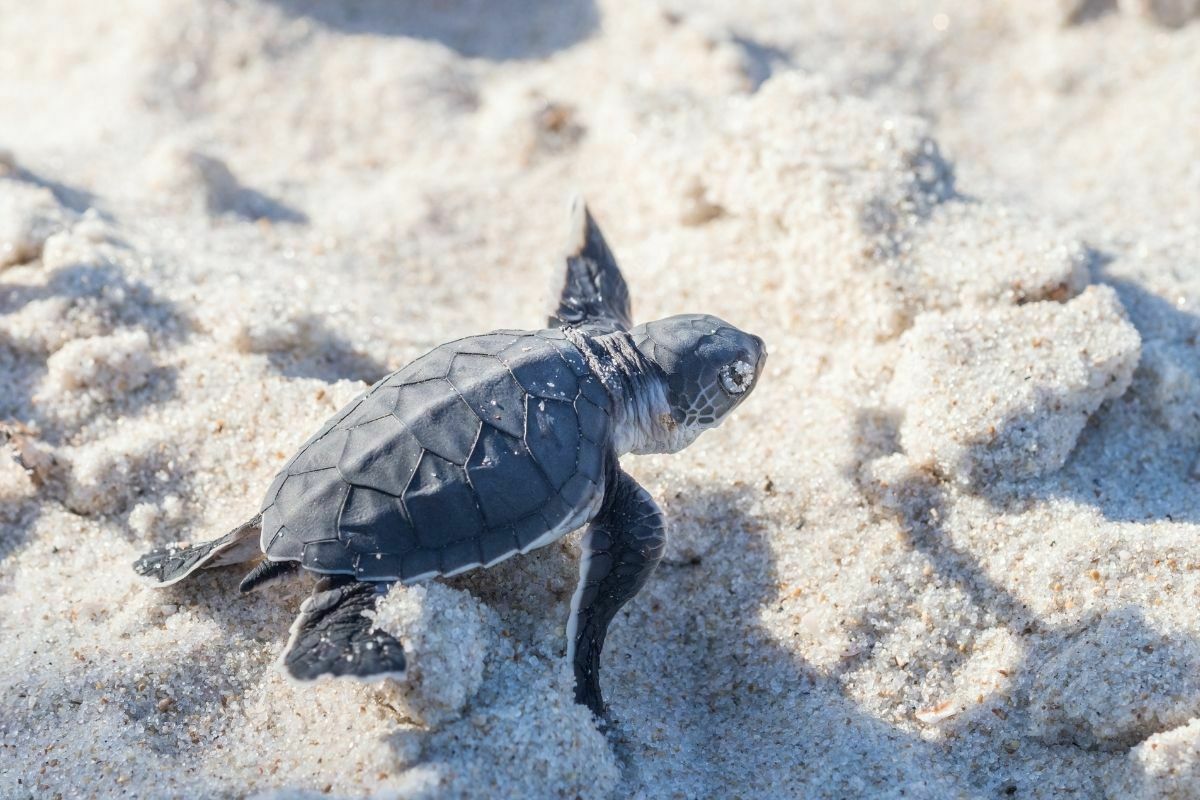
<point>483,448</point>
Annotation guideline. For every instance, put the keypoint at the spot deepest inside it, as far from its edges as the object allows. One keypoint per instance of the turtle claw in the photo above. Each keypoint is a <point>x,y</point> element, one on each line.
<point>587,690</point>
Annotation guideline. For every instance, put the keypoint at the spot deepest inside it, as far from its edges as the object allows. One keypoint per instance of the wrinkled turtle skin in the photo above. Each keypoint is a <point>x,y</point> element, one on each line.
<point>485,447</point>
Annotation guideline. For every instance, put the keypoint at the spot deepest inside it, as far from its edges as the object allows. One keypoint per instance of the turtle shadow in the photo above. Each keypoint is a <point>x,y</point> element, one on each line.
<point>692,673</point>
<point>707,694</point>
<point>740,708</point>
<point>705,684</point>
<point>500,30</point>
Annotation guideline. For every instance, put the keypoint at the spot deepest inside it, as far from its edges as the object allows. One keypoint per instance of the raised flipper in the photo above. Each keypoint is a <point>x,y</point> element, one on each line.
<point>171,564</point>
<point>332,636</point>
<point>621,548</point>
<point>589,289</point>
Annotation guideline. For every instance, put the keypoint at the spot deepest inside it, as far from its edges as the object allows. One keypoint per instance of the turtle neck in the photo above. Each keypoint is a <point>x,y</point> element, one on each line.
<point>642,421</point>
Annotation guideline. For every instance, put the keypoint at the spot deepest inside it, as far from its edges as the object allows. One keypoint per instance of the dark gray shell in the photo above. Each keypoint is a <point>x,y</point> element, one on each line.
<point>484,447</point>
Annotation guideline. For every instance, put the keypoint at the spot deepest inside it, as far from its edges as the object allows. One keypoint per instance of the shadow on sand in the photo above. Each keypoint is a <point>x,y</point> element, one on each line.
<point>1136,459</point>
<point>101,293</point>
<point>736,713</point>
<point>326,355</point>
<point>106,300</point>
<point>1053,706</point>
<point>497,30</point>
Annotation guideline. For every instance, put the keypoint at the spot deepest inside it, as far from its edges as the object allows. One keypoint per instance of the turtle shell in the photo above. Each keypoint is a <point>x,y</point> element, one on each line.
<point>482,448</point>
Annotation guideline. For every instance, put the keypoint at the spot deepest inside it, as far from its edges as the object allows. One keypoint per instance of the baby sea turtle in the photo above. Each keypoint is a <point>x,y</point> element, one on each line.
<point>483,448</point>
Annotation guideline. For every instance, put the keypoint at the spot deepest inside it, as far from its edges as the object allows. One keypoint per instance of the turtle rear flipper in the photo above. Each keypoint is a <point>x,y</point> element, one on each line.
<point>171,564</point>
<point>332,636</point>
<point>265,572</point>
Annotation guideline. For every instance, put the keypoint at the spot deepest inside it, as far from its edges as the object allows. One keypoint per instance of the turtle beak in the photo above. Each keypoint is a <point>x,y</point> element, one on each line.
<point>762,355</point>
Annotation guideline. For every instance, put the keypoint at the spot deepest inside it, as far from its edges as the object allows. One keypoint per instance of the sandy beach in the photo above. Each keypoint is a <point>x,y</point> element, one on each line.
<point>950,548</point>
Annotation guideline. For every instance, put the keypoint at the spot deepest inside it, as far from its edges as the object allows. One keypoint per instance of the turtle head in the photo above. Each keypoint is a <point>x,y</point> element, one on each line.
<point>709,367</point>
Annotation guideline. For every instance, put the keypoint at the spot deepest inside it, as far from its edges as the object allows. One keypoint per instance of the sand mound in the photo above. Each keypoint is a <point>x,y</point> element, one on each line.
<point>839,191</point>
<point>1163,767</point>
<point>1115,683</point>
<point>29,214</point>
<point>1007,392</point>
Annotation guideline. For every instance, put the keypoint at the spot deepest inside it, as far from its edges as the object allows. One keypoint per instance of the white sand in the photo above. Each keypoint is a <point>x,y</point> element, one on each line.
<point>948,549</point>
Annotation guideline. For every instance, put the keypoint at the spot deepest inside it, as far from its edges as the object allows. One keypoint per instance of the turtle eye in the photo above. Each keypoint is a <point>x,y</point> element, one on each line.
<point>737,377</point>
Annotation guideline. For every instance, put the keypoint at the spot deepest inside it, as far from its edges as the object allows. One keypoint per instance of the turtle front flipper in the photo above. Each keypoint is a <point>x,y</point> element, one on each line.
<point>590,288</point>
<point>332,636</point>
<point>620,551</point>
<point>171,564</point>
